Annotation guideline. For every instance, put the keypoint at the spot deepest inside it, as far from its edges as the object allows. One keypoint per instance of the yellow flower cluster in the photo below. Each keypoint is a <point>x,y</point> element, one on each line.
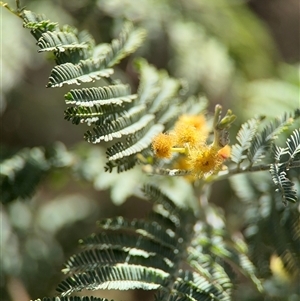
<point>207,159</point>
<point>189,138</point>
<point>190,130</point>
<point>162,145</point>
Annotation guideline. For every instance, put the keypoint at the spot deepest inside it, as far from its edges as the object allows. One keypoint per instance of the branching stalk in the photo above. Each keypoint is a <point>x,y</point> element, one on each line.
<point>262,167</point>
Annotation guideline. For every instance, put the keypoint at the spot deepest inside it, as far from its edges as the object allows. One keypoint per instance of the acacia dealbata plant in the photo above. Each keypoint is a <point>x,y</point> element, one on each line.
<point>182,250</point>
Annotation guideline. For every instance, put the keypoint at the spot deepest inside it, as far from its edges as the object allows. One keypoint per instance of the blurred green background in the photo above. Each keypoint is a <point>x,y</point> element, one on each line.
<point>241,54</point>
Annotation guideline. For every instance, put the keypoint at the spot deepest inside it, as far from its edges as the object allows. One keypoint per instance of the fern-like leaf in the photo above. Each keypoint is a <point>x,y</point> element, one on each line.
<point>283,184</point>
<point>284,157</point>
<point>95,68</point>
<point>262,141</point>
<point>127,42</point>
<point>196,287</point>
<point>59,42</point>
<point>133,243</point>
<point>76,65</point>
<point>37,24</point>
<point>95,115</point>
<point>86,71</point>
<point>128,123</point>
<point>149,81</point>
<point>88,97</point>
<point>149,229</point>
<point>209,268</point>
<point>168,89</point>
<point>125,163</point>
<point>131,254</point>
<point>156,89</point>
<point>224,251</point>
<point>135,143</point>
<point>123,277</point>
<point>278,153</point>
<point>144,254</point>
<point>75,53</point>
<point>244,137</point>
<point>90,259</point>
<point>131,129</point>
<point>155,92</point>
<point>293,145</point>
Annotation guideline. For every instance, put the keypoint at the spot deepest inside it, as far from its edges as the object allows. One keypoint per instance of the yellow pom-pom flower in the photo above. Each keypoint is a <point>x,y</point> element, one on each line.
<point>190,130</point>
<point>162,145</point>
<point>197,121</point>
<point>185,135</point>
<point>205,160</point>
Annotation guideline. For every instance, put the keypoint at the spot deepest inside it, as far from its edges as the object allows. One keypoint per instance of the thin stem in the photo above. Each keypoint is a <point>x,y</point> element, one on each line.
<point>165,171</point>
<point>263,167</point>
<point>181,150</point>
<point>16,11</point>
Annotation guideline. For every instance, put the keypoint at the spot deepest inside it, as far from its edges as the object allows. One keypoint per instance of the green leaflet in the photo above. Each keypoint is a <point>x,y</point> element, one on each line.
<point>244,138</point>
<point>86,71</point>
<point>114,94</point>
<point>262,142</point>
<point>122,277</point>
<point>279,169</point>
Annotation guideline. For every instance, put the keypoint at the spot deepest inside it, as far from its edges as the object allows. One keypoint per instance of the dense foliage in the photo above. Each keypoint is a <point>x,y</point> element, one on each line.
<point>161,143</point>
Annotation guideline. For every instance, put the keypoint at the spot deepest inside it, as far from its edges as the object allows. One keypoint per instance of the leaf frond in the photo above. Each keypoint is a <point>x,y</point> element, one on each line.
<point>108,133</point>
<point>283,184</point>
<point>149,229</point>
<point>262,142</point>
<point>129,242</point>
<point>135,143</point>
<point>37,23</point>
<point>168,89</point>
<point>96,114</point>
<point>121,277</point>
<point>59,42</point>
<point>86,71</point>
<point>149,81</point>
<point>278,153</point>
<point>127,42</point>
<point>226,251</point>
<point>157,90</point>
<point>89,97</point>
<point>90,259</point>
<point>123,164</point>
<point>293,145</point>
<point>244,138</point>
<point>279,170</point>
<point>209,268</point>
<point>128,123</point>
